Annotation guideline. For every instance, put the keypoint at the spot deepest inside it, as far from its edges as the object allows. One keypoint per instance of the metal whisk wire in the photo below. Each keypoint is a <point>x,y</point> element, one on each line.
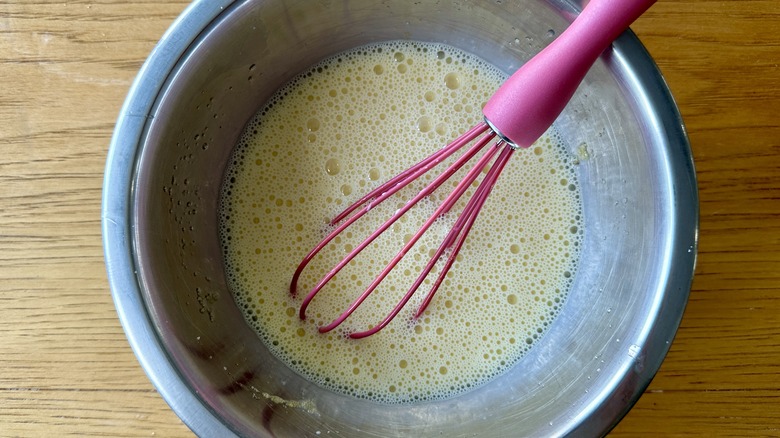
<point>454,239</point>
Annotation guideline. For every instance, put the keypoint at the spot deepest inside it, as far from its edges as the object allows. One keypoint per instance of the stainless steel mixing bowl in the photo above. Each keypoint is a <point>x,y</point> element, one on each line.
<point>218,64</point>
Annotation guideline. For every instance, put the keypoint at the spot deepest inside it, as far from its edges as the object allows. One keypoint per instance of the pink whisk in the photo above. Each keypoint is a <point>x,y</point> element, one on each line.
<point>522,109</point>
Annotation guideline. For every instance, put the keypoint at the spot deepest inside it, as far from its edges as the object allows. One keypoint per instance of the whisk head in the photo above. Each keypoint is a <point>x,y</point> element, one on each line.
<point>475,140</point>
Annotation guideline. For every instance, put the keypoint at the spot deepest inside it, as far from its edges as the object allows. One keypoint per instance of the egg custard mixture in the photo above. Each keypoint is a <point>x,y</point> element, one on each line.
<point>328,137</point>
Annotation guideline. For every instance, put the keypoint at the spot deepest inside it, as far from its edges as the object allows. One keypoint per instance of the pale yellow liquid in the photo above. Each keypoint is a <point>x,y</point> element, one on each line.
<point>331,135</point>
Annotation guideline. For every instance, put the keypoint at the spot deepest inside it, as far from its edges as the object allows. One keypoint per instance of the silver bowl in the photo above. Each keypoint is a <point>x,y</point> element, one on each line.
<point>219,63</point>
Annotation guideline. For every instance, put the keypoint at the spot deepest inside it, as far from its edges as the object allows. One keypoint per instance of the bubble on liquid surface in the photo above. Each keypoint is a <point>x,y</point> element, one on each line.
<point>313,124</point>
<point>333,166</point>
<point>452,80</point>
<point>321,143</point>
<point>424,124</point>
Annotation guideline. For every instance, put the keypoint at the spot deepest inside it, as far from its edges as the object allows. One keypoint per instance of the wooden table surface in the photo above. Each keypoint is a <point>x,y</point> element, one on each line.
<point>66,367</point>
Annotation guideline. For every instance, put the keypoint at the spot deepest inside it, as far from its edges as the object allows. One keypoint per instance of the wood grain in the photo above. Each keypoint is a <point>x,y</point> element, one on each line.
<point>721,60</point>
<point>66,367</point>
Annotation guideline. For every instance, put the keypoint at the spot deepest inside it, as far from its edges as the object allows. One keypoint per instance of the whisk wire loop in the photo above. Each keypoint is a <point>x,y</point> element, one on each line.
<point>371,200</point>
<point>430,188</point>
<point>456,236</point>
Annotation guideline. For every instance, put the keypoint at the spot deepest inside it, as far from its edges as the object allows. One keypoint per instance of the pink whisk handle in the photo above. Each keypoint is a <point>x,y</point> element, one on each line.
<point>528,103</point>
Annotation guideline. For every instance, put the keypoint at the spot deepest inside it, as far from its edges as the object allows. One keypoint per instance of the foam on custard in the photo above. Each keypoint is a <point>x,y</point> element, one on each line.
<point>332,134</point>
